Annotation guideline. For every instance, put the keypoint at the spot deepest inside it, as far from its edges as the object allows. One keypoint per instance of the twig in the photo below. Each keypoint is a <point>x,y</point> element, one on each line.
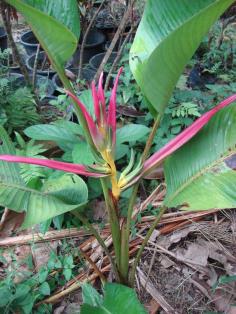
<point>35,66</point>
<point>145,241</point>
<point>99,239</point>
<point>155,293</point>
<point>4,217</point>
<point>151,264</point>
<point>40,237</point>
<point>85,38</point>
<point>91,262</point>
<point>117,59</point>
<point>114,40</point>
<point>56,297</point>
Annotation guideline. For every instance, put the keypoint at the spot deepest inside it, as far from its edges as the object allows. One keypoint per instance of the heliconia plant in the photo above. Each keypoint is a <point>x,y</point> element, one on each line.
<point>197,159</point>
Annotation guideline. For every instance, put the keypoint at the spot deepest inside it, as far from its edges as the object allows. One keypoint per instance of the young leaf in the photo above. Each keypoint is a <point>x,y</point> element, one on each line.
<point>168,35</point>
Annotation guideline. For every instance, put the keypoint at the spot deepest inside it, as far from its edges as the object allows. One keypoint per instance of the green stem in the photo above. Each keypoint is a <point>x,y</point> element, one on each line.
<point>98,238</point>
<point>144,243</point>
<point>125,230</point>
<point>113,221</point>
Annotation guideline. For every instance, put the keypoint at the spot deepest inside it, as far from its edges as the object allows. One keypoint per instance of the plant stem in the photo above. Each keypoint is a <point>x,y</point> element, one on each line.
<point>98,238</point>
<point>125,229</point>
<point>114,223</point>
<point>144,243</point>
<point>151,137</point>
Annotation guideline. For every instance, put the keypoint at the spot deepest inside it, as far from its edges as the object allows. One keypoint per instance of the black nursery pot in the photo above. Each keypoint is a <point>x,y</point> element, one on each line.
<point>94,45</point>
<point>95,61</point>
<point>87,75</point>
<point>41,58</point>
<point>3,38</point>
<point>41,82</point>
<point>29,42</point>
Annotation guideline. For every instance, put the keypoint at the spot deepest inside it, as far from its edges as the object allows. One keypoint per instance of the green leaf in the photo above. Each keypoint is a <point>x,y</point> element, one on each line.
<point>67,273</point>
<point>131,133</point>
<point>56,196</point>
<point>57,40</point>
<point>56,133</point>
<point>227,279</point>
<point>43,274</point>
<point>81,154</point>
<point>202,174</point>
<point>44,289</point>
<point>91,296</point>
<point>169,33</point>
<point>118,299</point>
<point>63,11</point>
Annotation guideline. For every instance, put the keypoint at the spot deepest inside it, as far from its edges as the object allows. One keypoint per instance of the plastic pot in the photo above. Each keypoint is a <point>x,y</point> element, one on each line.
<point>3,38</point>
<point>41,58</point>
<point>44,85</point>
<point>87,75</point>
<point>8,66</point>
<point>29,42</point>
<point>94,45</point>
<point>95,61</point>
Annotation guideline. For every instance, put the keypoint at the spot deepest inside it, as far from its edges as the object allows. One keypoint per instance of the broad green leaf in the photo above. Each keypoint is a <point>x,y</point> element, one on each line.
<point>91,296</point>
<point>169,33</point>
<point>118,299</point>
<point>56,39</point>
<point>81,154</point>
<point>56,196</point>
<point>56,133</point>
<point>63,11</point>
<point>131,133</point>
<point>202,174</point>
<point>44,289</point>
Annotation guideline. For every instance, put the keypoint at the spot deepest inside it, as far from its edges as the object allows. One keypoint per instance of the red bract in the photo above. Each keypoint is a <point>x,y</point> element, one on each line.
<point>58,165</point>
<point>105,123</point>
<point>180,139</point>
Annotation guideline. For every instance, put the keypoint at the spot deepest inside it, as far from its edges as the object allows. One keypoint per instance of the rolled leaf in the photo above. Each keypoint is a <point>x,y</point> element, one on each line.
<point>169,33</point>
<point>202,174</point>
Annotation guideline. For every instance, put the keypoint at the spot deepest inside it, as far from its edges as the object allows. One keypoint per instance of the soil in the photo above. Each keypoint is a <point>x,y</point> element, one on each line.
<point>187,264</point>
